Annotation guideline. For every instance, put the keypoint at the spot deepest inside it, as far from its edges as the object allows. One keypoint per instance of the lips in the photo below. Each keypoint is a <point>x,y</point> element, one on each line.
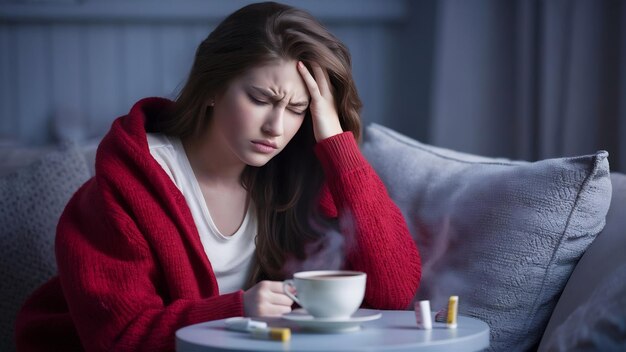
<point>264,146</point>
<point>266,143</point>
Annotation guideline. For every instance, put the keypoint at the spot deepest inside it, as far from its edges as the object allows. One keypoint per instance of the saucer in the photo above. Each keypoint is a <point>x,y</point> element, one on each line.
<point>303,319</point>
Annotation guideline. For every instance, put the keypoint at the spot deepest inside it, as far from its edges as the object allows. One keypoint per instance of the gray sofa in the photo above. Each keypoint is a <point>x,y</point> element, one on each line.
<point>524,245</point>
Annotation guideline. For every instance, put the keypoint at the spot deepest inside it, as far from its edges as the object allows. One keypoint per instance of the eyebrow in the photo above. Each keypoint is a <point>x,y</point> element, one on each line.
<point>271,95</point>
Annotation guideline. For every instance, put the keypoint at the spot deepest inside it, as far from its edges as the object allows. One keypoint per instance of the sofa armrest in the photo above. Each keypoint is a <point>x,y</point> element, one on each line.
<point>587,287</point>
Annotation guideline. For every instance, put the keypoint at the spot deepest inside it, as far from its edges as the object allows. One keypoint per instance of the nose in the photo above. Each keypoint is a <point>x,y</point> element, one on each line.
<point>273,125</point>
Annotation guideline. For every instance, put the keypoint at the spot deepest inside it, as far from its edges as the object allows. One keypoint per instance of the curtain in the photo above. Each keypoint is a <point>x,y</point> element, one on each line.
<point>530,79</point>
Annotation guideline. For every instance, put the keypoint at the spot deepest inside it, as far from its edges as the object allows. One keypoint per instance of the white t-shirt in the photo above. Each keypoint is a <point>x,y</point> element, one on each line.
<point>230,256</point>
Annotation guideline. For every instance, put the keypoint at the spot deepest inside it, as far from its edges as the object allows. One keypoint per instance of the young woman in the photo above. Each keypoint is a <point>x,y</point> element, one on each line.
<point>201,207</point>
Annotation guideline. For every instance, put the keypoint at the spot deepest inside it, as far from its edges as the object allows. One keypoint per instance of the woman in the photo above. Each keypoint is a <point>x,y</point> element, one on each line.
<point>200,207</point>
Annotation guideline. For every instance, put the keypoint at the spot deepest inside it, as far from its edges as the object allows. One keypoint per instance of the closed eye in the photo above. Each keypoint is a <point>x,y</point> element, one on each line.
<point>256,101</point>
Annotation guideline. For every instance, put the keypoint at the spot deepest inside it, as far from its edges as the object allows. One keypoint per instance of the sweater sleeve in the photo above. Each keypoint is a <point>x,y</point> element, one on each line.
<point>110,280</point>
<point>376,234</point>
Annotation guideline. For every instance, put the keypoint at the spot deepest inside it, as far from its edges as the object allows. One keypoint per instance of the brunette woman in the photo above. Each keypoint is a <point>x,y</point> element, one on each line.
<point>200,207</point>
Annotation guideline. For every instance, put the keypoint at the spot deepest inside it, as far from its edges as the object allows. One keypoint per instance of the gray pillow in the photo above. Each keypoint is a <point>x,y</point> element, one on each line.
<point>503,235</point>
<point>31,201</point>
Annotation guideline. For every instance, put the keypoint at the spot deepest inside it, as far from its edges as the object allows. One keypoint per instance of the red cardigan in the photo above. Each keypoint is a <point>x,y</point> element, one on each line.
<point>131,266</point>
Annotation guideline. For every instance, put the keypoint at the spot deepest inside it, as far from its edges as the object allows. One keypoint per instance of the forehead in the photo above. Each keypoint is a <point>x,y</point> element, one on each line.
<point>280,77</point>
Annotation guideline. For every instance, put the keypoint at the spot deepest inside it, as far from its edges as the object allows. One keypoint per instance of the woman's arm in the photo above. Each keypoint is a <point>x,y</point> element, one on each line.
<point>377,237</point>
<point>114,287</point>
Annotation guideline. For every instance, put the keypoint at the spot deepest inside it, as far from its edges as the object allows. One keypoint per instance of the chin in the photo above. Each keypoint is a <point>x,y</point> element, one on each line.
<point>258,160</point>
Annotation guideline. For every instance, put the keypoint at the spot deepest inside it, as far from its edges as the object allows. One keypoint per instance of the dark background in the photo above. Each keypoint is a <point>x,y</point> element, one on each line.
<point>523,79</point>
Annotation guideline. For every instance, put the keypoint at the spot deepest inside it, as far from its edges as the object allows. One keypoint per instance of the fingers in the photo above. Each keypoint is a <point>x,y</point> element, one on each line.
<point>324,114</point>
<point>276,294</point>
<point>321,77</point>
<point>274,311</point>
<point>280,300</point>
<point>267,299</point>
<point>310,82</point>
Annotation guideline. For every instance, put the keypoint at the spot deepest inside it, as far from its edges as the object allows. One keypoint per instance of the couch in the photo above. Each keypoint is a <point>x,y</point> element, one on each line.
<point>535,249</point>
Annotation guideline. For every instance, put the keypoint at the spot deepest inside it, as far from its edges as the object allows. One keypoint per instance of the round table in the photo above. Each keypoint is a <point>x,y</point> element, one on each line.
<point>395,331</point>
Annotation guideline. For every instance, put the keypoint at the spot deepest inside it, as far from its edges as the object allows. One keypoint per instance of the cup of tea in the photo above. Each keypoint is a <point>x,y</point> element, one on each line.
<point>327,293</point>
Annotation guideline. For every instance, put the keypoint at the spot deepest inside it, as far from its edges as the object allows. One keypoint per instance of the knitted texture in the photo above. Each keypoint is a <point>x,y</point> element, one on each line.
<point>131,265</point>
<point>31,201</point>
<point>377,238</point>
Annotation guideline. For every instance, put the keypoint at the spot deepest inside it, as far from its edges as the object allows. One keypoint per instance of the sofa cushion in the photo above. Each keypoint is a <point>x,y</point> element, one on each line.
<point>591,313</point>
<point>31,201</point>
<point>503,235</point>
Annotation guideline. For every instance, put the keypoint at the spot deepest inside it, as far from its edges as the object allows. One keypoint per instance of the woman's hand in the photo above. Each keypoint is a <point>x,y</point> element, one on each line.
<point>325,119</point>
<point>266,299</point>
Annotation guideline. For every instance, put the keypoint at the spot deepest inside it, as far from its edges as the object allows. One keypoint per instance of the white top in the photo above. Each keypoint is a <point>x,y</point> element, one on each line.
<point>230,256</point>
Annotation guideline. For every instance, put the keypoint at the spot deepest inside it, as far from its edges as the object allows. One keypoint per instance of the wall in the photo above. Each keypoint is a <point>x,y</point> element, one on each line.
<point>68,68</point>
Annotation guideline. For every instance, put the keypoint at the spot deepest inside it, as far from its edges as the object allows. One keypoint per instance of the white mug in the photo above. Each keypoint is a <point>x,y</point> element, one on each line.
<point>328,293</point>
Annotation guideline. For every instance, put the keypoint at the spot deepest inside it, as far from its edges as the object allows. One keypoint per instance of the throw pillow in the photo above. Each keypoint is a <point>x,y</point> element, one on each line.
<point>502,235</point>
<point>31,201</point>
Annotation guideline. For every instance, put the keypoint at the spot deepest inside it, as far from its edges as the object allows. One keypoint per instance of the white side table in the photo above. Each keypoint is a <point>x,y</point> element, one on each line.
<point>395,331</point>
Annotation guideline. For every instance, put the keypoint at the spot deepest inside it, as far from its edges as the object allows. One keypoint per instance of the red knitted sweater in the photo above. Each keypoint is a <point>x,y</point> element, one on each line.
<point>132,269</point>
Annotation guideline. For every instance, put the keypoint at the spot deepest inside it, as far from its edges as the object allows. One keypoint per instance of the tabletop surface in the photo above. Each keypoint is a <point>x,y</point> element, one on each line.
<point>394,331</point>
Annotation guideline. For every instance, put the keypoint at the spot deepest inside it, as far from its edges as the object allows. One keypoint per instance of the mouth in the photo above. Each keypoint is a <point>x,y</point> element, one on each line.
<point>264,146</point>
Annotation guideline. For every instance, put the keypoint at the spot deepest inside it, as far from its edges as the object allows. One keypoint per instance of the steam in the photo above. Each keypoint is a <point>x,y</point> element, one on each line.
<point>440,280</point>
<point>437,244</point>
<point>329,251</point>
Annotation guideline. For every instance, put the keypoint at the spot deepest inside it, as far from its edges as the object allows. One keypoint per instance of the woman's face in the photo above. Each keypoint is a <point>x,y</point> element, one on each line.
<point>261,111</point>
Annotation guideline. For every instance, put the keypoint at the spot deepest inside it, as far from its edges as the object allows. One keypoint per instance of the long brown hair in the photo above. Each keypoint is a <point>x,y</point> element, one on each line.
<point>284,190</point>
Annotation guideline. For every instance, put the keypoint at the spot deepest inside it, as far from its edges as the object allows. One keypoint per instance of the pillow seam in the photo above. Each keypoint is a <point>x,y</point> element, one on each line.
<point>583,188</point>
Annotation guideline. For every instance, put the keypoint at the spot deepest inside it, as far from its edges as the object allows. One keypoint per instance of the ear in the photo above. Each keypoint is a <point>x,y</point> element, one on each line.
<point>213,98</point>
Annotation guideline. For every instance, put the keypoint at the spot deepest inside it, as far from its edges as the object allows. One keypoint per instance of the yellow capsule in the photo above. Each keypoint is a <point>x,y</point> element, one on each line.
<point>453,305</point>
<point>278,334</point>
